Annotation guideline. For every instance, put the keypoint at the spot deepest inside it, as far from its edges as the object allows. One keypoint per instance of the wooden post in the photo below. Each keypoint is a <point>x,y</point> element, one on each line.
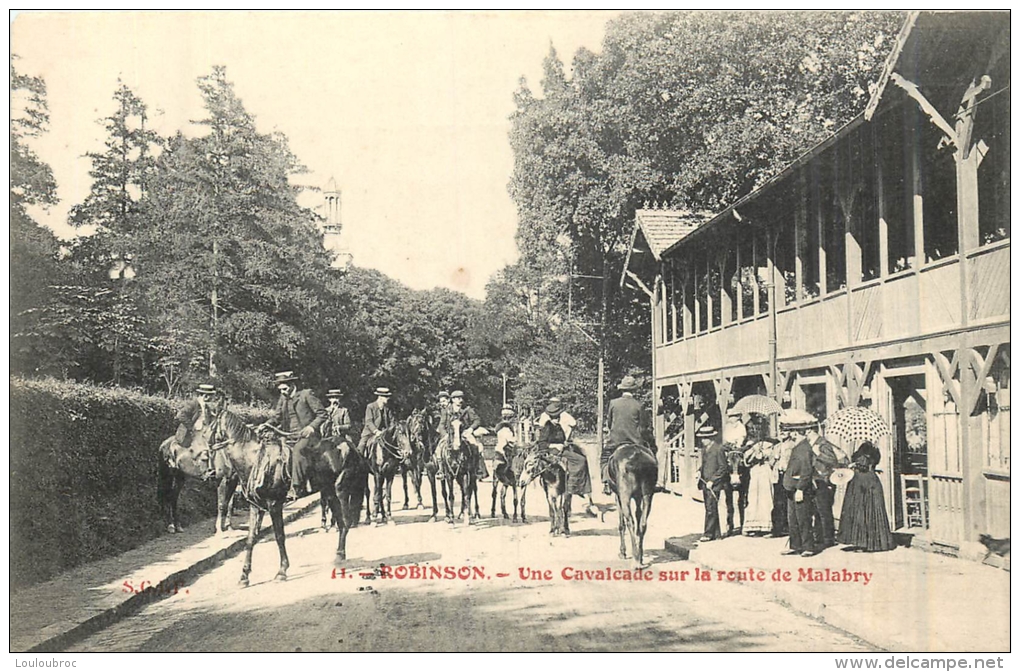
<point>883,224</point>
<point>799,218</point>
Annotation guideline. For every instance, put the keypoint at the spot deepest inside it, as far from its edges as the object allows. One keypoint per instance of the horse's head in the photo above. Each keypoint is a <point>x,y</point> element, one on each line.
<point>529,463</point>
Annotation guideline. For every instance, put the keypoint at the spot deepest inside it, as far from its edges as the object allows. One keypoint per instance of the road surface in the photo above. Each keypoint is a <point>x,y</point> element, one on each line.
<point>319,609</point>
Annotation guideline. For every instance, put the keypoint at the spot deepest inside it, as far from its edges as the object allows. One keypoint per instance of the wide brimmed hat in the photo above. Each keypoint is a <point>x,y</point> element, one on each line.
<point>628,383</point>
<point>285,377</point>
<point>444,395</point>
<point>207,390</point>
<point>334,393</point>
<point>382,392</point>
<point>555,407</point>
<point>796,419</point>
<point>457,394</point>
<point>706,431</point>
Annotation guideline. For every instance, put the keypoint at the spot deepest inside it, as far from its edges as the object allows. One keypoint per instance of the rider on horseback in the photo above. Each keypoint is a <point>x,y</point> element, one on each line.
<point>469,422</point>
<point>191,414</point>
<point>302,413</point>
<point>628,423</point>
<point>338,420</point>
<point>504,435</point>
<point>377,420</point>
<point>555,428</point>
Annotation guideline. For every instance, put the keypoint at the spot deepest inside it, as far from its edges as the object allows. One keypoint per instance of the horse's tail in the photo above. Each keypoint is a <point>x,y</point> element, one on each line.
<point>164,473</point>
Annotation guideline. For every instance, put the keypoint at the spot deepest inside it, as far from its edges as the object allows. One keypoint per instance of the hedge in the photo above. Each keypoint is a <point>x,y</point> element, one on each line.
<point>83,483</point>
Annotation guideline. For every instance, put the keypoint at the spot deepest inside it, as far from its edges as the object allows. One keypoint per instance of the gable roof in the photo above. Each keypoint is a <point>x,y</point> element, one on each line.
<point>664,228</point>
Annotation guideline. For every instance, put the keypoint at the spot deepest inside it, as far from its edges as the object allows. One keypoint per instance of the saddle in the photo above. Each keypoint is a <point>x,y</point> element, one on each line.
<point>271,466</point>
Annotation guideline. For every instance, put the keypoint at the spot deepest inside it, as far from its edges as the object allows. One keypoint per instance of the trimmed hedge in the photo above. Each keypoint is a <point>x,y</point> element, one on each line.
<point>83,479</point>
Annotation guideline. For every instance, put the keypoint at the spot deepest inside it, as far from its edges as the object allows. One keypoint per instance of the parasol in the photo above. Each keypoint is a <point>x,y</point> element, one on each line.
<point>841,476</point>
<point>757,403</point>
<point>856,424</point>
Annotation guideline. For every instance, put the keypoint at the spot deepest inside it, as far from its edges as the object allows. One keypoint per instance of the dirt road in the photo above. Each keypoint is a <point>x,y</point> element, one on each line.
<point>318,609</point>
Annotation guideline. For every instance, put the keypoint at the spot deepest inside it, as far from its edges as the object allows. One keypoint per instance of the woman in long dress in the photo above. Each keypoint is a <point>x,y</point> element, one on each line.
<point>760,456</point>
<point>863,522</point>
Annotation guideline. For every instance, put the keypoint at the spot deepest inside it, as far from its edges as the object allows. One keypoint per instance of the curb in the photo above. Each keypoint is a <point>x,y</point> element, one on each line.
<point>161,590</point>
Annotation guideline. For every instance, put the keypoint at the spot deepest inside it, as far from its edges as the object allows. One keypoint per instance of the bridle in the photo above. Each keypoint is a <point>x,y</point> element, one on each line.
<point>545,457</point>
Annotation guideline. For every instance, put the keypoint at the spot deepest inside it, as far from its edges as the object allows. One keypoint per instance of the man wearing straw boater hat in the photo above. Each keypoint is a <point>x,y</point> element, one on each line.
<point>714,473</point>
<point>338,421</point>
<point>298,411</point>
<point>799,482</point>
<point>191,413</point>
<point>628,423</point>
<point>469,422</point>
<point>827,458</point>
<point>377,420</point>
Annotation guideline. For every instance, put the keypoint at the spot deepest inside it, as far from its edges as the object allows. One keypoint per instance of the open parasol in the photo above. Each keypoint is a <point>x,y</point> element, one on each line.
<point>855,425</point>
<point>757,403</point>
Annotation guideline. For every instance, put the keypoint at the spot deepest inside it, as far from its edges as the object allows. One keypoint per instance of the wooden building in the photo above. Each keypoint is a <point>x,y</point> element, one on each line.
<point>874,270</point>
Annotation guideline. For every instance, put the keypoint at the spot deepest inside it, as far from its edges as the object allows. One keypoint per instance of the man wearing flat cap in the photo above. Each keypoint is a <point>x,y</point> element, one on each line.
<point>301,412</point>
<point>378,419</point>
<point>628,423</point>
<point>798,481</point>
<point>191,413</point>
<point>714,474</point>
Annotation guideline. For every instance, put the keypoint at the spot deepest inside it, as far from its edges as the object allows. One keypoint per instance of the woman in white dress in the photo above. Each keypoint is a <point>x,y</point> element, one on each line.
<point>760,456</point>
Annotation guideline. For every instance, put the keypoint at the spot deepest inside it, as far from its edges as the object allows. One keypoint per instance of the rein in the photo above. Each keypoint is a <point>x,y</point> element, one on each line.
<point>549,464</point>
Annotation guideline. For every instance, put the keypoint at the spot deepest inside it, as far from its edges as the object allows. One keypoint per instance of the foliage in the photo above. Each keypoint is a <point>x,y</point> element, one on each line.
<point>83,474</point>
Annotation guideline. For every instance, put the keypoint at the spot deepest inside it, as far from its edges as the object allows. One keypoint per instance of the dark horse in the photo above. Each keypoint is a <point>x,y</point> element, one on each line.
<point>547,466</point>
<point>422,433</point>
<point>505,473</point>
<point>174,463</point>
<point>458,464</point>
<point>386,454</point>
<point>633,471</point>
<point>337,471</point>
<point>738,482</point>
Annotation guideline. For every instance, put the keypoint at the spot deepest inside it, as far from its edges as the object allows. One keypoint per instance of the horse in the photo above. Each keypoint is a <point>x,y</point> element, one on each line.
<point>390,450</point>
<point>174,463</point>
<point>423,438</point>
<point>260,460</point>
<point>547,466</point>
<point>505,474</point>
<point>458,464</point>
<point>633,473</point>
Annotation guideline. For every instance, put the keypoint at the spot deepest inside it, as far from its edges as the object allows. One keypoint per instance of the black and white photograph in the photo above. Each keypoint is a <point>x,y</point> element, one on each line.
<point>493,331</point>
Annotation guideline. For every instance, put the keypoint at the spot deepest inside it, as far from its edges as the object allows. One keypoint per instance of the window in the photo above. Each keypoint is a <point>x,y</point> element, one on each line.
<point>668,305</point>
<point>730,283</point>
<point>679,298</point>
<point>992,126</point>
<point>701,291</point>
<point>864,221</point>
<point>896,206</point>
<point>938,190</point>
<point>689,298</point>
<point>831,177</point>
<point>747,278</point>
<point>809,240</point>
<point>761,266</point>
<point>996,416</point>
<point>715,291</point>
<point>786,254</point>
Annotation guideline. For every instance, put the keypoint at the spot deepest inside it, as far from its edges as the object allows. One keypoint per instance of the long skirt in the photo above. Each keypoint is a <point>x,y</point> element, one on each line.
<point>578,476</point>
<point>863,522</point>
<point>758,515</point>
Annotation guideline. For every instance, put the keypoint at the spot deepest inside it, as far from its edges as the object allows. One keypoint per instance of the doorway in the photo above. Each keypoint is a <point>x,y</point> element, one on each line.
<point>909,450</point>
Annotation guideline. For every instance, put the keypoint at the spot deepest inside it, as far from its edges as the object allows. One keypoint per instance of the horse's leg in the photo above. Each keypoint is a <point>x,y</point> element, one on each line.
<point>622,521</point>
<point>448,497</point>
<point>232,483</point>
<point>340,517</point>
<point>728,491</point>
<point>178,486</point>
<point>403,477</point>
<point>368,499</point>
<point>642,527</point>
<point>524,497</point>
<point>567,501</point>
<point>322,509</point>
<point>276,514</point>
<point>435,503</point>
<point>377,498</point>
<point>514,486</point>
<point>258,522</point>
<point>550,498</point>
<point>249,544</point>
<point>389,500</point>
<point>495,485</point>
<point>416,475</point>
<point>502,501</point>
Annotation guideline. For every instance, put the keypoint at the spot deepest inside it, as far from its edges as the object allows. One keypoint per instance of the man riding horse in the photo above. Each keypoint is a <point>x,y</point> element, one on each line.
<point>300,412</point>
<point>191,413</point>
<point>628,423</point>
<point>378,419</point>
<point>469,422</point>
<point>338,418</point>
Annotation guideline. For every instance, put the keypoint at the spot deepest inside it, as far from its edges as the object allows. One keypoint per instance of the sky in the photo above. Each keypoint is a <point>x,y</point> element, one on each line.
<point>409,111</point>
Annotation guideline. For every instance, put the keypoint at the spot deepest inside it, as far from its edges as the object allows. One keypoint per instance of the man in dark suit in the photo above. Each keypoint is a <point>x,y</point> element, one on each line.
<point>378,419</point>
<point>714,472</point>
<point>338,419</point>
<point>298,411</point>
<point>827,458</point>
<point>628,423</point>
<point>799,483</point>
<point>191,412</point>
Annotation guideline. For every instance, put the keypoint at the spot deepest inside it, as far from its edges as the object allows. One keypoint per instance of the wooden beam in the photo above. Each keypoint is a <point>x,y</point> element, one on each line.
<point>642,286</point>
<point>933,114</point>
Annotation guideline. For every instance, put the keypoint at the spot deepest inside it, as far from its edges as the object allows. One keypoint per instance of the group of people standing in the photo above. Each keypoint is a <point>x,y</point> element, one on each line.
<point>786,486</point>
